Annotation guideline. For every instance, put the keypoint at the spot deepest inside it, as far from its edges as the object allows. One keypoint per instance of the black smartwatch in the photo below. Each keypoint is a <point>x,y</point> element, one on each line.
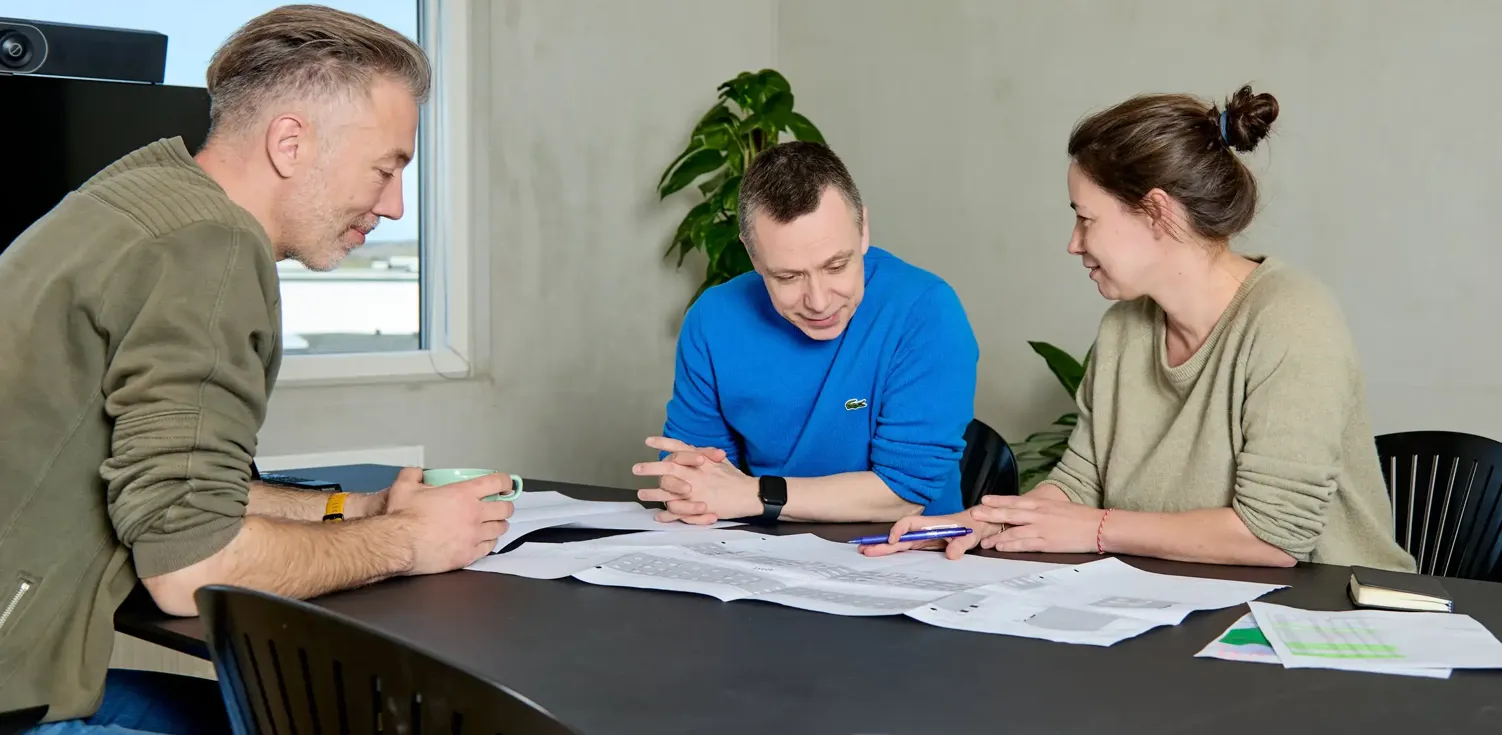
<point>773,492</point>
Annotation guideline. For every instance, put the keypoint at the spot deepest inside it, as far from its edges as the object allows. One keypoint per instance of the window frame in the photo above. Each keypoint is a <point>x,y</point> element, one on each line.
<point>444,232</point>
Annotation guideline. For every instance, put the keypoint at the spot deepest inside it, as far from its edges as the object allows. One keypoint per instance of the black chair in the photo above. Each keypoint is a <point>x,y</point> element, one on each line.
<point>1446,494</point>
<point>286,666</point>
<point>21,720</point>
<point>988,466</point>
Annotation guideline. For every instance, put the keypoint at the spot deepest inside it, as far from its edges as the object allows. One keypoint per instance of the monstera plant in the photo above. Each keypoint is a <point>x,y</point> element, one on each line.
<point>1037,454</point>
<point>754,110</point>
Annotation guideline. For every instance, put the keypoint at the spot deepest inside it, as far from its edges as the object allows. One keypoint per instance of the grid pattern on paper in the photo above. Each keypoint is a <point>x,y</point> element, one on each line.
<point>1348,638</point>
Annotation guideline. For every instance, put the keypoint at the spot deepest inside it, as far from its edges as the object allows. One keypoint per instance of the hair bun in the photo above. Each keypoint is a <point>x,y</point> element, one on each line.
<point>1249,118</point>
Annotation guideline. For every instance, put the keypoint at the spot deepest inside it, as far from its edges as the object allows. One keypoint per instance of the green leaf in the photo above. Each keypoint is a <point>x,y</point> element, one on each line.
<point>752,122</point>
<point>1068,419</point>
<point>729,195</point>
<point>709,186</point>
<point>1028,480</point>
<point>1046,437</point>
<point>693,146</point>
<point>769,82</point>
<point>739,90</point>
<point>1054,452</point>
<point>735,260</point>
<point>719,135</point>
<point>1064,367</point>
<point>717,116</point>
<point>697,164</point>
<point>778,108</point>
<point>803,129</point>
<point>718,235</point>
<point>695,220</point>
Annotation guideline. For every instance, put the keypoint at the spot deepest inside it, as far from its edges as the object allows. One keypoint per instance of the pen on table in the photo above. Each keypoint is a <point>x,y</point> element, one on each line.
<point>925,534</point>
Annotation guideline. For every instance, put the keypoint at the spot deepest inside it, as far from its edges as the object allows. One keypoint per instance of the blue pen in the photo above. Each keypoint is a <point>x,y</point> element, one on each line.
<point>923,535</point>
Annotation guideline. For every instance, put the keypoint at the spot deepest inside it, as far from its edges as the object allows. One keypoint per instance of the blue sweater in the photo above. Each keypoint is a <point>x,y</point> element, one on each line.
<point>892,395</point>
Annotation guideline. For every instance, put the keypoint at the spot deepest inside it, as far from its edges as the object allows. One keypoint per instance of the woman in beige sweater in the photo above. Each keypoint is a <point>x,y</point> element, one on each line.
<point>1223,415</point>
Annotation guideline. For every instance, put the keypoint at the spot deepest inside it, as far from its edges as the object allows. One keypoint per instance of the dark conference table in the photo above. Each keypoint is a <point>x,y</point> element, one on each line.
<point>611,660</point>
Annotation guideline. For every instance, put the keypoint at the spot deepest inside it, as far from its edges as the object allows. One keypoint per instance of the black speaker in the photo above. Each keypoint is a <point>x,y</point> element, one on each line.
<point>89,52</point>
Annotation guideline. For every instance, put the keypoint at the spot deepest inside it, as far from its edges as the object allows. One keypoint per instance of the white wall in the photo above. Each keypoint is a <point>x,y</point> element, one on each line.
<point>1382,177</point>
<point>586,101</point>
<point>953,116</point>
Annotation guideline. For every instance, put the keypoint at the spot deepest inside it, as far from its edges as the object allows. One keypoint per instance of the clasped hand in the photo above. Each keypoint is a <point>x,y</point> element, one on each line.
<point>696,484</point>
<point>1009,523</point>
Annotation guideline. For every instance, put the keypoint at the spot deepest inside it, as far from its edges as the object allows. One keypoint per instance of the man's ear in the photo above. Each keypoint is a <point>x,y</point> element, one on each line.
<point>865,229</point>
<point>288,144</point>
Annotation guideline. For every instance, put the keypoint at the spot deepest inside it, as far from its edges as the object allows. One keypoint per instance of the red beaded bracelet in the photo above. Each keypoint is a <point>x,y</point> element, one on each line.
<point>1100,548</point>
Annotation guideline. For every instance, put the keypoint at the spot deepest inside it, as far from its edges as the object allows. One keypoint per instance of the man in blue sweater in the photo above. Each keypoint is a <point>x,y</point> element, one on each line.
<point>834,383</point>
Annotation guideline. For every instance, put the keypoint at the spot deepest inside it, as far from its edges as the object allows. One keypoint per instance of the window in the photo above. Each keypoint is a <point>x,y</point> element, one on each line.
<point>392,308</point>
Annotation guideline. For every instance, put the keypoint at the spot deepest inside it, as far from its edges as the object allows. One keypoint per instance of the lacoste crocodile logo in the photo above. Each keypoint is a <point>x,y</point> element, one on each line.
<point>855,404</point>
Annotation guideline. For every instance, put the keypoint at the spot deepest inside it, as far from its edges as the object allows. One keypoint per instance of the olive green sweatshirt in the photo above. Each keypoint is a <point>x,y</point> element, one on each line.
<point>1267,418</point>
<point>139,340</point>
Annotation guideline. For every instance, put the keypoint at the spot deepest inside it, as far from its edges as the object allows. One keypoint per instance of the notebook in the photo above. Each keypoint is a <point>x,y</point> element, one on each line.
<point>1387,590</point>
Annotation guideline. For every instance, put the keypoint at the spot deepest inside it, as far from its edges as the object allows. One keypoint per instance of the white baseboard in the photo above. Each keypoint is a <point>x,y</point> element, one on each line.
<point>396,456</point>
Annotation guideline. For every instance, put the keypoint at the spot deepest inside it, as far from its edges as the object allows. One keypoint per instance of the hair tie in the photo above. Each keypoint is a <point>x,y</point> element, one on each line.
<point>1224,138</point>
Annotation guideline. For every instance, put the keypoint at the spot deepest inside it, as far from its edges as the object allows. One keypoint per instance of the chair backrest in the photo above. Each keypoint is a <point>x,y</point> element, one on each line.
<point>286,666</point>
<point>988,466</point>
<point>20,721</point>
<point>1446,493</point>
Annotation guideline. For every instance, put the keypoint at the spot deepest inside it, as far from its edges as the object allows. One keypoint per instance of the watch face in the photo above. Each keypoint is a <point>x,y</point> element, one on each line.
<point>774,490</point>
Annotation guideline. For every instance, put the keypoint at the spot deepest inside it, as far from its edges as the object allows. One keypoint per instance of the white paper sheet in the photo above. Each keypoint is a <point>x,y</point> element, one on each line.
<point>1244,641</point>
<point>555,561</point>
<point>536,511</point>
<point>1377,640</point>
<point>903,587</point>
<point>1099,603</point>
<point>802,570</point>
<point>737,570</point>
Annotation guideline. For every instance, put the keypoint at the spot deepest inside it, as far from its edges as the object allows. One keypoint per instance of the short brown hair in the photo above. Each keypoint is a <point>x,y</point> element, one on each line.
<point>787,180</point>
<point>1184,146</point>
<point>308,50</point>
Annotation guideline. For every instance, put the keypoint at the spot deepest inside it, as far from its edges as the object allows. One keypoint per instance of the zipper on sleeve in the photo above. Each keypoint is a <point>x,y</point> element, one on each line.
<point>15,601</point>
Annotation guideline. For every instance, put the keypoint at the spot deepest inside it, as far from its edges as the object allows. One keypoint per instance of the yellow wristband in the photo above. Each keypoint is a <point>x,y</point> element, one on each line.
<point>334,511</point>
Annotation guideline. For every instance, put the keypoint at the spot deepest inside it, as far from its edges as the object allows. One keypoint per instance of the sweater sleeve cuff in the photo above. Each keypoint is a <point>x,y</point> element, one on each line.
<point>1079,488</point>
<point>154,556</point>
<point>934,504</point>
<point>1283,502</point>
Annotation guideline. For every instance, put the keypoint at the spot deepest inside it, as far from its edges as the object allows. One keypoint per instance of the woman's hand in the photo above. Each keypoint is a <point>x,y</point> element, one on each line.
<point>954,547</point>
<point>1038,524</point>
<point>1009,523</point>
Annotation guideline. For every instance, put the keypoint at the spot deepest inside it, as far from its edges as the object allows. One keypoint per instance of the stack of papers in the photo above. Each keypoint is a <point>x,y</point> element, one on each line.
<point>1378,641</point>
<point>1098,603</point>
<point>536,511</point>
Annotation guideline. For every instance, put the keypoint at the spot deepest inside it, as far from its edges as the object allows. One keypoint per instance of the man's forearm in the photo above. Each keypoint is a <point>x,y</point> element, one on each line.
<point>1209,536</point>
<point>851,497</point>
<point>294,559</point>
<point>274,501</point>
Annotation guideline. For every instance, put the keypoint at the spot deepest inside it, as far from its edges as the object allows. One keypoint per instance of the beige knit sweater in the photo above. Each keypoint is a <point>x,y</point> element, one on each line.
<point>1268,418</point>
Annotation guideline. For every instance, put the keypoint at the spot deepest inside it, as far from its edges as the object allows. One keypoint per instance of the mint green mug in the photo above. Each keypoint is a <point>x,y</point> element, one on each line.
<point>451,476</point>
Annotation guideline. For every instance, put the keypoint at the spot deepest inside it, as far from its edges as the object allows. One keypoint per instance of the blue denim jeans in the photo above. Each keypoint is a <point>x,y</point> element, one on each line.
<point>142,702</point>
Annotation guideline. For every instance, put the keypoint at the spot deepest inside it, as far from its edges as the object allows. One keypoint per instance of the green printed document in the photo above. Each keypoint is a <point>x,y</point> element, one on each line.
<point>1376,640</point>
<point>1244,641</point>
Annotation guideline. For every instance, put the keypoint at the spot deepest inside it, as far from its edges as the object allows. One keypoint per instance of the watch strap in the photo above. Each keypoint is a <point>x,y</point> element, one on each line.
<point>333,511</point>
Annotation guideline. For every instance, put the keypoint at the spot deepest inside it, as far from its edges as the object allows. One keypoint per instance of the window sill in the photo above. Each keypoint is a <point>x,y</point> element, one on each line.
<point>373,367</point>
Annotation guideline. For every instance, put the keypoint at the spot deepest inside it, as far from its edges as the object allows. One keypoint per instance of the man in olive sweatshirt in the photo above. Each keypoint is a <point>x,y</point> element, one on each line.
<point>140,336</point>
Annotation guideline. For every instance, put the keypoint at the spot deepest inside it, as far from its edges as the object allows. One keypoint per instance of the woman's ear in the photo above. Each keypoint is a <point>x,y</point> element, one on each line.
<point>1165,214</point>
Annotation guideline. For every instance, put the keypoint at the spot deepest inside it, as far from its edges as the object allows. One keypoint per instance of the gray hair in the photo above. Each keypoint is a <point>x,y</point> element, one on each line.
<point>308,51</point>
